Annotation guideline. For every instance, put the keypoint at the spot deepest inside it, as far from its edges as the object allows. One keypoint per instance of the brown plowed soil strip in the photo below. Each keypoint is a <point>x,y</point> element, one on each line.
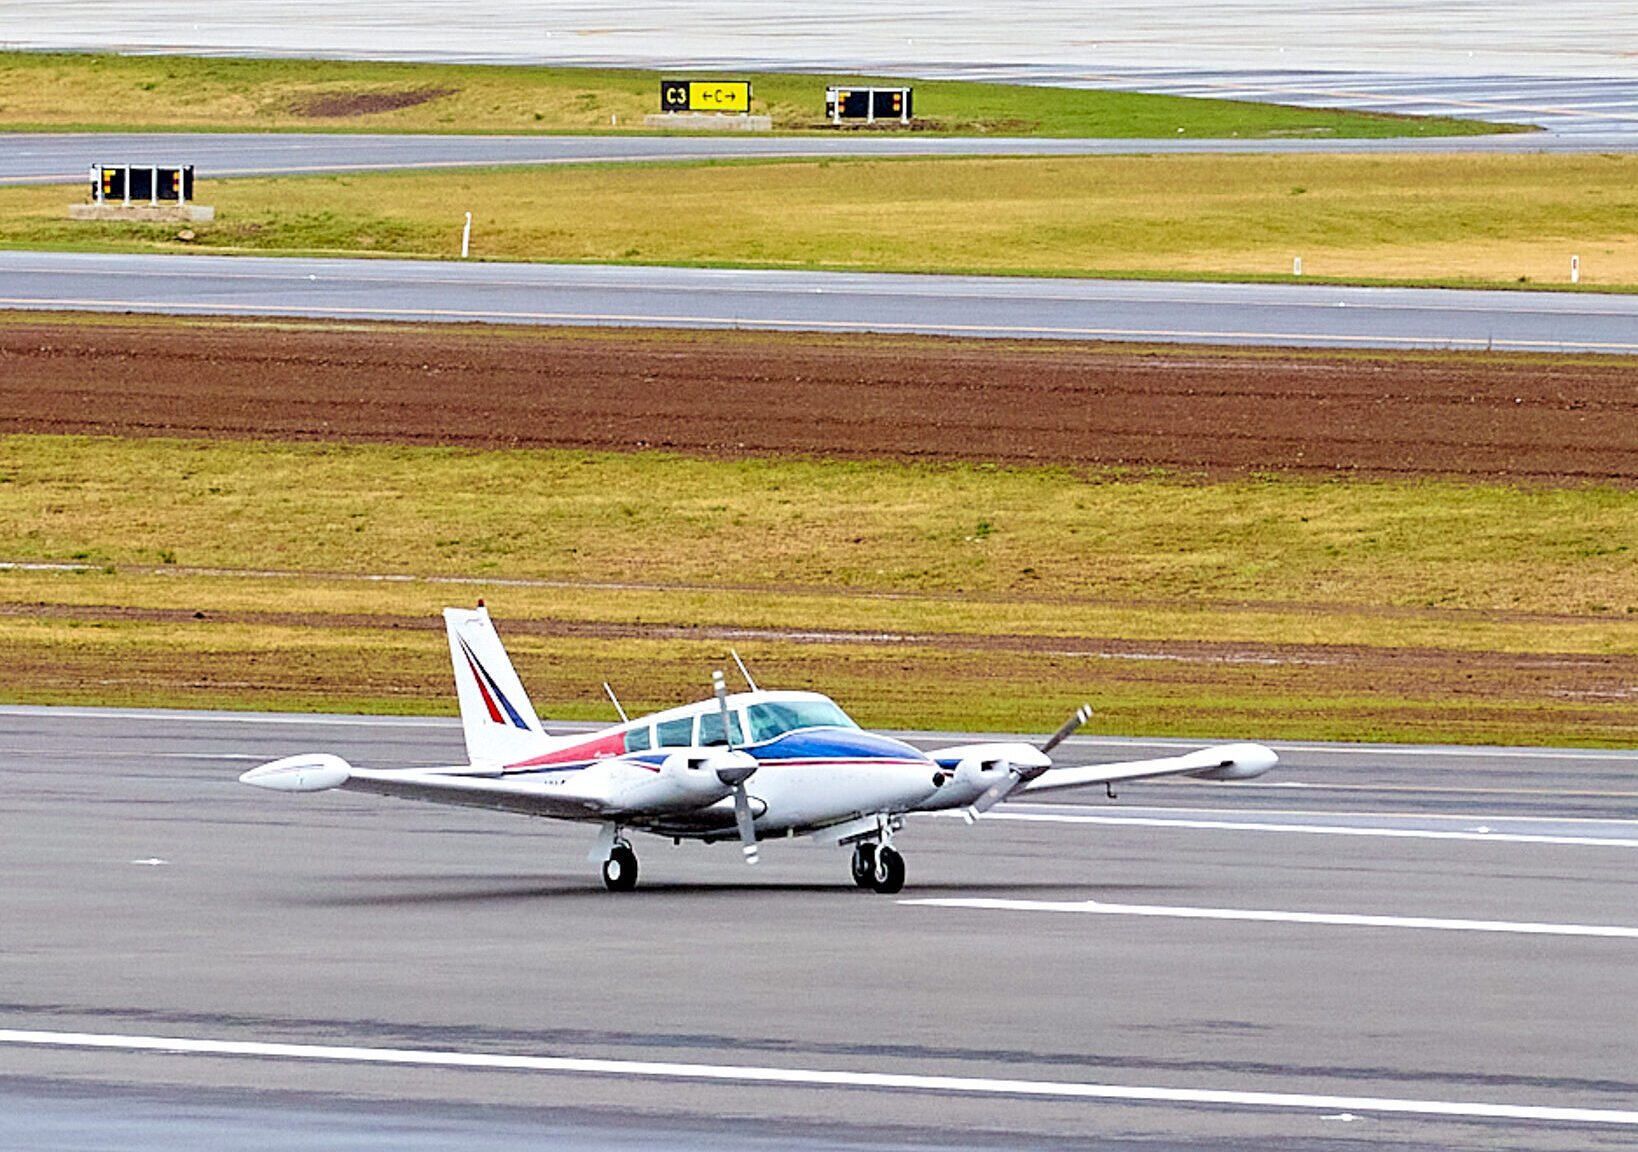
<point>1494,418</point>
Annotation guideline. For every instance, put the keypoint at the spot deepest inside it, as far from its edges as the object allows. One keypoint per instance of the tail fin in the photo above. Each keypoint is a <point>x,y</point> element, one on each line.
<point>500,723</point>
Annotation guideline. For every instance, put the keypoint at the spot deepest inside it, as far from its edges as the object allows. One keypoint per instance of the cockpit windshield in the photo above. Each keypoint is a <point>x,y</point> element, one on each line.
<point>775,719</point>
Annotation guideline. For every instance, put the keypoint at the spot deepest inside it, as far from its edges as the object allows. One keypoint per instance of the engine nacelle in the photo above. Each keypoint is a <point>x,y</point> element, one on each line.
<point>682,783</point>
<point>970,770</point>
<point>1233,762</point>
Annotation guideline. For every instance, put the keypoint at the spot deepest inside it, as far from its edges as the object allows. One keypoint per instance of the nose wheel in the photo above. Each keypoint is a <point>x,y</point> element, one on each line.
<point>620,869</point>
<point>879,867</point>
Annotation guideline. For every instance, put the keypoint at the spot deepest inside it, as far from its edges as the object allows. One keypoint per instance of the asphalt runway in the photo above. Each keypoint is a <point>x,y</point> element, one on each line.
<point>67,157</point>
<point>1422,37</point>
<point>989,306</point>
<point>1377,947</point>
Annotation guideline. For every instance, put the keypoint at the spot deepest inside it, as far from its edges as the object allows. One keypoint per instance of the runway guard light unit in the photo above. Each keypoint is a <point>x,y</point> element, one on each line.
<point>154,183</point>
<point>867,104</point>
<point>148,192</point>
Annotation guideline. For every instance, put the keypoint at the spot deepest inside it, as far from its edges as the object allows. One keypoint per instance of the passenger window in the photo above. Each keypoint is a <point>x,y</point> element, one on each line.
<point>637,740</point>
<point>675,733</point>
<point>711,728</point>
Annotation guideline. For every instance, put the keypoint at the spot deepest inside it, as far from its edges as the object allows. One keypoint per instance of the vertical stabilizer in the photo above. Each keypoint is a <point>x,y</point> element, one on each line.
<point>500,723</point>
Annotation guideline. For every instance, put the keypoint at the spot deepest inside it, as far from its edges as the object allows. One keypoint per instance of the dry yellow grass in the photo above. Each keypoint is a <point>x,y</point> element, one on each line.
<point>1449,219</point>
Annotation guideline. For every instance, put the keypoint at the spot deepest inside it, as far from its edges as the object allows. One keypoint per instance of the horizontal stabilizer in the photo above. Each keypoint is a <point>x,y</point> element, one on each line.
<point>308,772</point>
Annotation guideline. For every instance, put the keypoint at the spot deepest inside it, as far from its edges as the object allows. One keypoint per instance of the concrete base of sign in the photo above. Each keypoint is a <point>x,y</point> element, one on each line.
<point>154,213</point>
<point>709,122</point>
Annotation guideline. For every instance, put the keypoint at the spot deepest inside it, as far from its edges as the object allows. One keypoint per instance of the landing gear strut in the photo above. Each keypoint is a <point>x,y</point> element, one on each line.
<point>620,869</point>
<point>879,867</point>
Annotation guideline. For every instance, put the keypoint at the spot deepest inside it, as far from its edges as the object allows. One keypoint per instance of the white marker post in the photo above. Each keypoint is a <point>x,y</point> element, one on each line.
<point>1296,266</point>
<point>1575,269</point>
<point>466,236</point>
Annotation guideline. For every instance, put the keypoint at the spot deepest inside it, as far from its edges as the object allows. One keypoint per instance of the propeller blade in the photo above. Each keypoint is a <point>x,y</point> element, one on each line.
<point>996,792</point>
<point>1067,729</point>
<point>720,687</point>
<point>742,817</point>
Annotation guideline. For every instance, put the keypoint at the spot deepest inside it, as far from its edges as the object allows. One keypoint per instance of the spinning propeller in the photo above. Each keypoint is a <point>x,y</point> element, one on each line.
<point>1018,775</point>
<point>733,770</point>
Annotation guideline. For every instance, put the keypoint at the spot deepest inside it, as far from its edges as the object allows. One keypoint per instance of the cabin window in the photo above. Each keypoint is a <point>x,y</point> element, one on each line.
<point>775,719</point>
<point>637,739</point>
<point>677,733</point>
<point>711,728</point>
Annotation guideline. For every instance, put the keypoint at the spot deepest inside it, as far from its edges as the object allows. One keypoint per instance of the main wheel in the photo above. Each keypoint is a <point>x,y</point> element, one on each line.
<point>888,876</point>
<point>864,865</point>
<point>620,869</point>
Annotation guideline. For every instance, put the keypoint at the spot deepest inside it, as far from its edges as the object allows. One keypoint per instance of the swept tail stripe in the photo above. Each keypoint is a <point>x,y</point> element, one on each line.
<point>487,685</point>
<point>494,713</point>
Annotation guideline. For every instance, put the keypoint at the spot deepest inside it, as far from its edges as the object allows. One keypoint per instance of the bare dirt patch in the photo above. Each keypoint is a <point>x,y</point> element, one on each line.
<point>1482,417</point>
<point>1489,418</point>
<point>336,105</point>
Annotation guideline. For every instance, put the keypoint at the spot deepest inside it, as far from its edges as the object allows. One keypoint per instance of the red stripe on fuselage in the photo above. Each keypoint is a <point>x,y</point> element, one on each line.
<point>611,745</point>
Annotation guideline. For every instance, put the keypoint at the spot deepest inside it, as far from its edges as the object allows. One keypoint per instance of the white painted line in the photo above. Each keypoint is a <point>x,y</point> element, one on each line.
<point>1338,919</point>
<point>1318,829</point>
<point>810,1077</point>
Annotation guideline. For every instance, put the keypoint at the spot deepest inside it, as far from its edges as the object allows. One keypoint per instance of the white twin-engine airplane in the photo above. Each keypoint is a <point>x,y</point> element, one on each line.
<point>744,765</point>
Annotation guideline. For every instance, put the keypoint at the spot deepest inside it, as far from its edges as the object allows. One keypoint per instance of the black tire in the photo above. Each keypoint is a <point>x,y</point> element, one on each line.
<point>620,869</point>
<point>888,877</point>
<point>864,865</point>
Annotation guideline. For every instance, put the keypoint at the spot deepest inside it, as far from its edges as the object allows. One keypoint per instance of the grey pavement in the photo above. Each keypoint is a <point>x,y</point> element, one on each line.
<point>1561,38</point>
<point>1262,314</point>
<point>66,158</point>
<point>149,894</point>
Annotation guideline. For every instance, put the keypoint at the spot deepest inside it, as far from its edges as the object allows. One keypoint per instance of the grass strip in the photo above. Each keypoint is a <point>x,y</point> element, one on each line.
<point>105,92</point>
<point>950,596</point>
<point>1461,220</point>
<point>863,527</point>
<point>356,666</point>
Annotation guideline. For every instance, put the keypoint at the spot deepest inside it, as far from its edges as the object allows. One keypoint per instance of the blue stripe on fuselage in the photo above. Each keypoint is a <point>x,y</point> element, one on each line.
<point>834,744</point>
<point>806,744</point>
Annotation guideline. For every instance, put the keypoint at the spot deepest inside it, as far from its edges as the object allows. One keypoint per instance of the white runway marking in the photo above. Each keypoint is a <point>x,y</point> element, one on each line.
<point>1314,829</point>
<point>1336,919</point>
<point>810,1077</point>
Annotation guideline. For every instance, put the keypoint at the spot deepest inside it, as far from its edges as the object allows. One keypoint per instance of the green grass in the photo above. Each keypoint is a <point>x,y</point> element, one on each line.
<point>380,666</point>
<point>965,533</point>
<point>42,91</point>
<point>233,574</point>
<point>1496,220</point>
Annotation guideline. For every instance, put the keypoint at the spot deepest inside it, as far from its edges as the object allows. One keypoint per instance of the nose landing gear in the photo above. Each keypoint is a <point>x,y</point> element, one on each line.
<point>877,866</point>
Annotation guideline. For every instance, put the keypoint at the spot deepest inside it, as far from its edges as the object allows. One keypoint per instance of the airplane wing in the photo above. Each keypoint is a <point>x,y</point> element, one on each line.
<point>650,785</point>
<point>497,794</point>
<point>1219,762</point>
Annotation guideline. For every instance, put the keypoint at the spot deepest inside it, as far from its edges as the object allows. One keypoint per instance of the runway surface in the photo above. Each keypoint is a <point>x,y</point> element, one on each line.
<point>831,302</point>
<point>1371,947</point>
<point>66,158</point>
<point>1424,37</point>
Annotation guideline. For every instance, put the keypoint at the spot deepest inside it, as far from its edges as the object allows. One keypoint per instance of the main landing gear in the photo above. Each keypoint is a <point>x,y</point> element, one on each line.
<point>620,869</point>
<point>878,866</point>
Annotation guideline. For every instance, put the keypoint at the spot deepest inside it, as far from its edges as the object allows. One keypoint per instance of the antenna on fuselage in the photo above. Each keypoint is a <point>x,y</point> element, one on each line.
<point>744,671</point>
<point>624,719</point>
